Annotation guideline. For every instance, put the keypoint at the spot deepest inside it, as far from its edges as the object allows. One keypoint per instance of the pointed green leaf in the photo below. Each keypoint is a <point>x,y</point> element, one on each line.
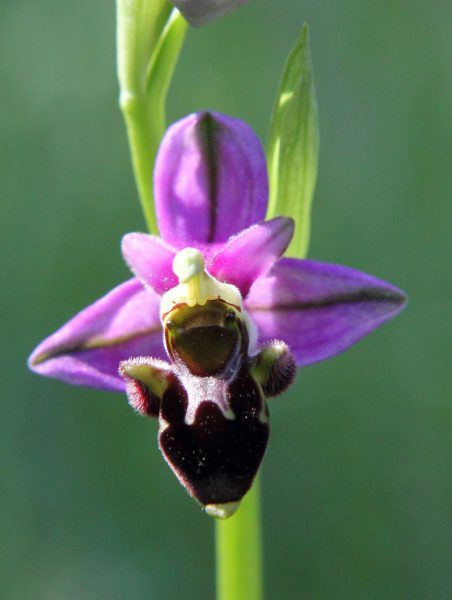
<point>163,63</point>
<point>294,144</point>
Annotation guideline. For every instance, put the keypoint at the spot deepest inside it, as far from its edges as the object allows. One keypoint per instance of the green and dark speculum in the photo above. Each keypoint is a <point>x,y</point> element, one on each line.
<point>211,340</point>
<point>213,414</point>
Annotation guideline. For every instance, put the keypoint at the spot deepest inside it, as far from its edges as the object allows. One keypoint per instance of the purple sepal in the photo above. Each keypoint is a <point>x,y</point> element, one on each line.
<point>320,309</point>
<point>87,350</point>
<point>251,253</point>
<point>210,180</point>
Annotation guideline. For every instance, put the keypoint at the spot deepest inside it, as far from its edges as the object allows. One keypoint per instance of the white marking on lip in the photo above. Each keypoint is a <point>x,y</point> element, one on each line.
<point>163,424</point>
<point>204,389</point>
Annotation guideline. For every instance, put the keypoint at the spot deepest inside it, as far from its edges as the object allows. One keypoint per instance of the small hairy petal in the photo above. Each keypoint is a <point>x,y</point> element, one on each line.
<point>146,381</point>
<point>210,180</point>
<point>274,368</point>
<point>201,12</point>
<point>320,309</point>
<point>87,350</point>
<point>251,253</point>
<point>150,259</point>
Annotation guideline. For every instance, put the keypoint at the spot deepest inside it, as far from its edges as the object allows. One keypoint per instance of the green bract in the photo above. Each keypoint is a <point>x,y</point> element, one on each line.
<point>294,144</point>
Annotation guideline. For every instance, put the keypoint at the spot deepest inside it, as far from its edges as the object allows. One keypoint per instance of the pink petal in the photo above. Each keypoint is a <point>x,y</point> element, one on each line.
<point>250,254</point>
<point>150,259</point>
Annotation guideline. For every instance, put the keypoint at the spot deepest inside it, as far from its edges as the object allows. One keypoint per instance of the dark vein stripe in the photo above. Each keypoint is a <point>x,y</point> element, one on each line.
<point>96,342</point>
<point>207,137</point>
<point>364,295</point>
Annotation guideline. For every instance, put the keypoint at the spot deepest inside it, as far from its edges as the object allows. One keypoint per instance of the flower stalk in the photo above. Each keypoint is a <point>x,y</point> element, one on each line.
<point>149,39</point>
<point>239,551</point>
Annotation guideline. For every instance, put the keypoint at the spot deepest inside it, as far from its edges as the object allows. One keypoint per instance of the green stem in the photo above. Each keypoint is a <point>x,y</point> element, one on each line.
<point>142,136</point>
<point>239,551</point>
<point>149,40</point>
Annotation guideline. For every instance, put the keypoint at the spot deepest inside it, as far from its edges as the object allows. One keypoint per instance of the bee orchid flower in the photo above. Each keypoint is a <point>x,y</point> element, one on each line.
<point>215,320</point>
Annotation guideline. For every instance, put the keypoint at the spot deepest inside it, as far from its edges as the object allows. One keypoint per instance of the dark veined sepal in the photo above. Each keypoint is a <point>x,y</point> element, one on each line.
<point>274,368</point>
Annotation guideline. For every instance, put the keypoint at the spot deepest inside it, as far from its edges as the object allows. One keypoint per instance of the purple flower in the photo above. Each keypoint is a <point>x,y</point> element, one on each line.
<point>215,320</point>
<point>201,12</point>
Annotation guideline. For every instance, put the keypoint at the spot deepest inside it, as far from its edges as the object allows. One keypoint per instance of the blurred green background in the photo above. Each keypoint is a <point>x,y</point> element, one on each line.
<point>357,479</point>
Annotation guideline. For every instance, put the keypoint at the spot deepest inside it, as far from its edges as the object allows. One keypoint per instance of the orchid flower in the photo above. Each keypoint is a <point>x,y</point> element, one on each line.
<point>215,320</point>
<point>201,12</point>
